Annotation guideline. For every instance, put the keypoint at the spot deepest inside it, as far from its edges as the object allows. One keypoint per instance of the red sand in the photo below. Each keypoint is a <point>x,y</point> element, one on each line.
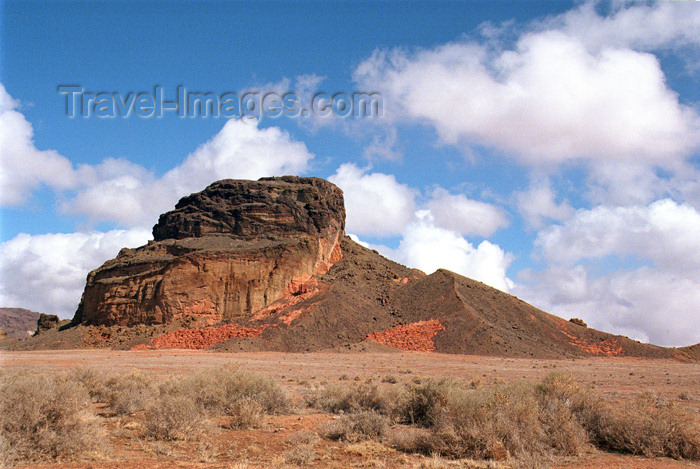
<point>415,337</point>
<point>201,338</point>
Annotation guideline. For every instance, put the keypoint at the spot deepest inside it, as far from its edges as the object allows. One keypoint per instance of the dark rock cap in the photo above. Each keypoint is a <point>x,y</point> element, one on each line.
<point>249,209</point>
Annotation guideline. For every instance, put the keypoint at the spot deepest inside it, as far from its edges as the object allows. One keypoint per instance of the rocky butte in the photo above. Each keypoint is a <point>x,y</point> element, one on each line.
<point>266,265</point>
<point>223,254</point>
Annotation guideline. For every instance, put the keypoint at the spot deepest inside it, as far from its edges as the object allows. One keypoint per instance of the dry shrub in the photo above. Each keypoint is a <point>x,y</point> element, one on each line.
<point>46,418</point>
<point>128,393</point>
<point>357,426</point>
<point>300,456</point>
<point>219,391</point>
<point>360,397</point>
<point>412,440</point>
<point>174,417</point>
<point>245,413</point>
<point>488,423</point>
<point>184,405</point>
<point>422,404</point>
<point>303,437</point>
<point>648,426</point>
<point>94,381</point>
<point>530,422</point>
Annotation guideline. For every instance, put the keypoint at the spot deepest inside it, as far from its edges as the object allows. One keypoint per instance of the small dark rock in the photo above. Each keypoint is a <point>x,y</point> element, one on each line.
<point>578,321</point>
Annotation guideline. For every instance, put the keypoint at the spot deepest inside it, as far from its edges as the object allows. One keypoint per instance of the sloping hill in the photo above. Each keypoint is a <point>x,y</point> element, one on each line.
<point>18,323</point>
<point>368,297</point>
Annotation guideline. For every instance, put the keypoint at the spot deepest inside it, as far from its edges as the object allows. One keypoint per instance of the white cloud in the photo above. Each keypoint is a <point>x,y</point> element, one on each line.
<point>47,272</point>
<point>376,204</point>
<point>538,204</point>
<point>645,304</point>
<point>427,247</point>
<point>23,167</point>
<point>549,99</point>
<point>638,26</point>
<point>654,302</point>
<point>383,145</point>
<point>124,192</point>
<point>664,232</point>
<point>465,216</point>
<point>121,191</point>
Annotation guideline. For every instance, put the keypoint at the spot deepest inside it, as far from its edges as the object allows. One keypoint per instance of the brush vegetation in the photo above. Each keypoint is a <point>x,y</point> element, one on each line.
<point>525,421</point>
<point>62,417</point>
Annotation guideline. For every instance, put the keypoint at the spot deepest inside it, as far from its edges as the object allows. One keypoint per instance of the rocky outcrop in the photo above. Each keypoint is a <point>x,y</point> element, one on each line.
<point>46,322</point>
<point>222,255</point>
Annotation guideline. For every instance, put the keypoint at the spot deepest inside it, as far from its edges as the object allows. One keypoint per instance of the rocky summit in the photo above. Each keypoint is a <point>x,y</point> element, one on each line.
<point>265,266</point>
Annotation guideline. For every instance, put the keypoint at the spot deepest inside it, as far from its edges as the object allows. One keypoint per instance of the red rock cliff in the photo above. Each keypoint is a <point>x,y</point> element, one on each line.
<point>222,254</point>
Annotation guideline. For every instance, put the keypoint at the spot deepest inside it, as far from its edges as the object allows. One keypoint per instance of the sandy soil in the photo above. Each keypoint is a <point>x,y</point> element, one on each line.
<point>616,379</point>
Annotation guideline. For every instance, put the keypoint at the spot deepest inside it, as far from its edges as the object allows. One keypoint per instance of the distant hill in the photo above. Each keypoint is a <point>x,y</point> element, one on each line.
<point>19,323</point>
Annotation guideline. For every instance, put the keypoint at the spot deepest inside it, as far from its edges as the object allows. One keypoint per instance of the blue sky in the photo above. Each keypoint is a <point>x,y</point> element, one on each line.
<point>550,149</point>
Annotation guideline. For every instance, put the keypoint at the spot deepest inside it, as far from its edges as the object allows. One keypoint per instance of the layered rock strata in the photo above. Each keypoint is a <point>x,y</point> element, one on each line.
<point>222,254</point>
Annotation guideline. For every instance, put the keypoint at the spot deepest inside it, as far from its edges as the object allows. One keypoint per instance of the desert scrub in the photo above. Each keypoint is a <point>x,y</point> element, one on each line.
<point>94,381</point>
<point>500,422</point>
<point>174,417</point>
<point>647,426</point>
<point>220,390</point>
<point>46,418</point>
<point>184,406</point>
<point>355,398</point>
<point>357,426</point>
<point>243,397</point>
<point>128,392</point>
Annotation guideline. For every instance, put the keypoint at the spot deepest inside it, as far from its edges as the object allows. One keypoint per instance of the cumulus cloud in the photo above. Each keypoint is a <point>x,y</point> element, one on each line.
<point>429,247</point>
<point>652,292</point>
<point>638,26</point>
<point>664,232</point>
<point>118,190</point>
<point>548,100</point>
<point>646,304</point>
<point>538,204</point>
<point>23,167</point>
<point>376,204</point>
<point>47,272</point>
<point>551,97</point>
<point>121,191</point>
<point>456,212</point>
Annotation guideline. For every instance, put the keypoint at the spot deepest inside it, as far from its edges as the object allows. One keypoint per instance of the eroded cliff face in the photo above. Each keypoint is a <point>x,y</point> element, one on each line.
<point>223,254</point>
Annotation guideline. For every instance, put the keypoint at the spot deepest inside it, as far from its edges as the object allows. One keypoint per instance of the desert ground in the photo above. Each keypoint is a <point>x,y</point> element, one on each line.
<point>617,380</point>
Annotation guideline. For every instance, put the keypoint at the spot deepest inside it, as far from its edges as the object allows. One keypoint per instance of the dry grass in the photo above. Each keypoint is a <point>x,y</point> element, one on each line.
<point>46,418</point>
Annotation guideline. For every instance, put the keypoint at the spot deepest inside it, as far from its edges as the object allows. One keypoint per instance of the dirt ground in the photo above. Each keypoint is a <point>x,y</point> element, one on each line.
<point>617,379</point>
